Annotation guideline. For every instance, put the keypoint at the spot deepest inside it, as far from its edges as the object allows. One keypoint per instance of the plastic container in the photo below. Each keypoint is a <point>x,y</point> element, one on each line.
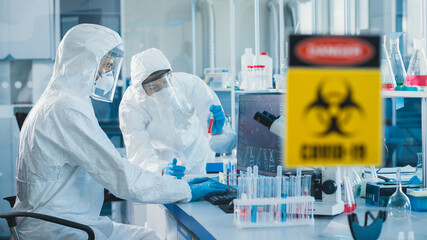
<point>267,61</point>
<point>247,59</point>
<point>418,198</point>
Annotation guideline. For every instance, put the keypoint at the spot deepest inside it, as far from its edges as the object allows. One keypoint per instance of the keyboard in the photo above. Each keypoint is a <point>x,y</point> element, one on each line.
<point>222,198</point>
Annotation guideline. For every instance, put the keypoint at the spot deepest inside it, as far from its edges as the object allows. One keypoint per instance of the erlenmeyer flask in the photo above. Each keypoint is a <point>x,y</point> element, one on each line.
<point>395,58</point>
<point>356,183</point>
<point>417,70</point>
<point>398,205</point>
<point>387,77</point>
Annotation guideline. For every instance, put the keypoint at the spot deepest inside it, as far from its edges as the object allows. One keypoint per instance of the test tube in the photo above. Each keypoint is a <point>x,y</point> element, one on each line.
<point>221,177</point>
<point>277,195</point>
<point>260,193</point>
<point>248,192</point>
<point>285,189</point>
<point>291,208</point>
<point>268,194</point>
<point>233,173</point>
<point>306,191</point>
<point>249,171</point>
<point>254,193</point>
<point>298,193</point>
<point>225,169</point>
<point>210,123</point>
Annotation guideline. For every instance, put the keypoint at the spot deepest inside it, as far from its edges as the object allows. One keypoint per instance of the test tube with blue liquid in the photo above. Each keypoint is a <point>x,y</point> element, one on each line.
<point>254,193</point>
<point>277,193</point>
<point>284,194</point>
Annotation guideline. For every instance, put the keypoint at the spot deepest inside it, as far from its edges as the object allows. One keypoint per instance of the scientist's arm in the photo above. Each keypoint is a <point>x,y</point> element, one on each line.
<point>203,97</point>
<point>133,124</point>
<point>118,175</point>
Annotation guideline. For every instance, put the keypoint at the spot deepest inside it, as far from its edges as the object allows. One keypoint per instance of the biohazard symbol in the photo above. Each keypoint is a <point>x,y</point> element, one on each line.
<point>334,110</point>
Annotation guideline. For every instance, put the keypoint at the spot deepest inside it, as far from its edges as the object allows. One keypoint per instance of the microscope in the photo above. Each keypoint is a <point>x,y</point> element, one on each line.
<point>326,187</point>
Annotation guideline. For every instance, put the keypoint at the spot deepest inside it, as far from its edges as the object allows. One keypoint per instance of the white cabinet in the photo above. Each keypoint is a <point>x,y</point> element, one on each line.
<point>26,26</point>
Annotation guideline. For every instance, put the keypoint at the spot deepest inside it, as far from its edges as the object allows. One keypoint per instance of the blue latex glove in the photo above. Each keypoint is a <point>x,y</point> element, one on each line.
<point>219,119</point>
<point>174,170</point>
<point>201,187</point>
<point>199,180</point>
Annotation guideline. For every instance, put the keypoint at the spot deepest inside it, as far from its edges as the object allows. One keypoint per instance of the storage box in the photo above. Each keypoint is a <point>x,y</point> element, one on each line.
<point>418,201</point>
<point>377,194</point>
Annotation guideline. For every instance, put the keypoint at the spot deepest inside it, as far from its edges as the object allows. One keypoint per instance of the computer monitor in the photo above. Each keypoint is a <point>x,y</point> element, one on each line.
<point>256,145</point>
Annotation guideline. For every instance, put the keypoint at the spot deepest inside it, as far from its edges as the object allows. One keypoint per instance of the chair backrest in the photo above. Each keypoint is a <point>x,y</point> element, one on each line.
<point>11,200</point>
<point>11,220</point>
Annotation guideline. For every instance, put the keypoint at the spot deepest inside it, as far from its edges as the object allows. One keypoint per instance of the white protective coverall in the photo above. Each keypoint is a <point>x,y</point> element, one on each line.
<point>65,159</point>
<point>154,133</point>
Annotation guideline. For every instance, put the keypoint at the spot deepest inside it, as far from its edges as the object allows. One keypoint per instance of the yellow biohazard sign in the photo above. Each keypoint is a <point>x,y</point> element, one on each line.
<point>333,106</point>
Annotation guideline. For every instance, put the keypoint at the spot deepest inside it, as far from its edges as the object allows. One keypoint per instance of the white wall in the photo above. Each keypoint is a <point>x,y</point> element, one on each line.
<point>146,25</point>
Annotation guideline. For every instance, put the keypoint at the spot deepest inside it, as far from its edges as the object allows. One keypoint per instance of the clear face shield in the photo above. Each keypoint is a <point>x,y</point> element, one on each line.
<point>107,75</point>
<point>156,82</point>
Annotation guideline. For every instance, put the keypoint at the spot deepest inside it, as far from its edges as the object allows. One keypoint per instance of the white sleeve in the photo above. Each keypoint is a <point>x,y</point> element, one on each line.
<point>91,149</point>
<point>133,124</point>
<point>202,96</point>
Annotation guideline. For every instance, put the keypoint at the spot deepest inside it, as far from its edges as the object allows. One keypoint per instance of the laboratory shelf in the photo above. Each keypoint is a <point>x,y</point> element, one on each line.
<point>423,96</point>
<point>405,94</point>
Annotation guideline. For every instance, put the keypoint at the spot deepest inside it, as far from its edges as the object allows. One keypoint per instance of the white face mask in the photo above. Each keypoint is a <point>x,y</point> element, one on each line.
<point>163,95</point>
<point>105,82</point>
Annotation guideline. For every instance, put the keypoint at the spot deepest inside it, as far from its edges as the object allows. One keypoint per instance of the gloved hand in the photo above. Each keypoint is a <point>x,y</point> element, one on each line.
<point>219,119</point>
<point>201,187</point>
<point>174,170</point>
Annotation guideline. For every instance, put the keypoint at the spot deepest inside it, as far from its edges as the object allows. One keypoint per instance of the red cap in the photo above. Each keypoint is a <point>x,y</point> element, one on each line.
<point>263,53</point>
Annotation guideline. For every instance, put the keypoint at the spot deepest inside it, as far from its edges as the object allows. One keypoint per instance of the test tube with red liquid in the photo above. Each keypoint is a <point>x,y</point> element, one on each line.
<point>210,123</point>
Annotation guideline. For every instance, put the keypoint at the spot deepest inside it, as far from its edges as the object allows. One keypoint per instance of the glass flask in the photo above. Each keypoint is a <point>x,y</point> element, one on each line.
<point>418,174</point>
<point>356,183</point>
<point>388,82</point>
<point>417,70</point>
<point>395,58</point>
<point>398,205</point>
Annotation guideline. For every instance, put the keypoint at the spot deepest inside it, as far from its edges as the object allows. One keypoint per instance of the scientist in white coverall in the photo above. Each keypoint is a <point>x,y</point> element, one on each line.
<point>65,159</point>
<point>164,117</point>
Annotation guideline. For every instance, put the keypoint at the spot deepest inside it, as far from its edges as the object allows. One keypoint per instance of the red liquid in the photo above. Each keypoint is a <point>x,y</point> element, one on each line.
<point>387,87</point>
<point>349,208</point>
<point>416,80</point>
<point>210,125</point>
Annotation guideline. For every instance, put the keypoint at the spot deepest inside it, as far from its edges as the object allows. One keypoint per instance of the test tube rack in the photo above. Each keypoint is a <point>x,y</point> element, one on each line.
<point>273,212</point>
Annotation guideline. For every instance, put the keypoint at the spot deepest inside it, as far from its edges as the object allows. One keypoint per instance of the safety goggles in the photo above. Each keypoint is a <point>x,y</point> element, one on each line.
<point>107,75</point>
<point>157,81</point>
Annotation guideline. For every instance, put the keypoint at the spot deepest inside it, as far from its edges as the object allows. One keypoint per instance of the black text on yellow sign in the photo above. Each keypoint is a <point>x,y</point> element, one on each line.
<point>334,117</point>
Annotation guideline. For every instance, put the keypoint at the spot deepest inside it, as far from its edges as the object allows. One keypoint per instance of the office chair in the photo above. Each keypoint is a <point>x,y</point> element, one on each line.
<point>11,220</point>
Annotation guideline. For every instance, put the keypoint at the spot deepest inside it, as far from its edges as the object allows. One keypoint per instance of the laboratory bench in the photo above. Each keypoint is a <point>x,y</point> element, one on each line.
<point>202,220</point>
